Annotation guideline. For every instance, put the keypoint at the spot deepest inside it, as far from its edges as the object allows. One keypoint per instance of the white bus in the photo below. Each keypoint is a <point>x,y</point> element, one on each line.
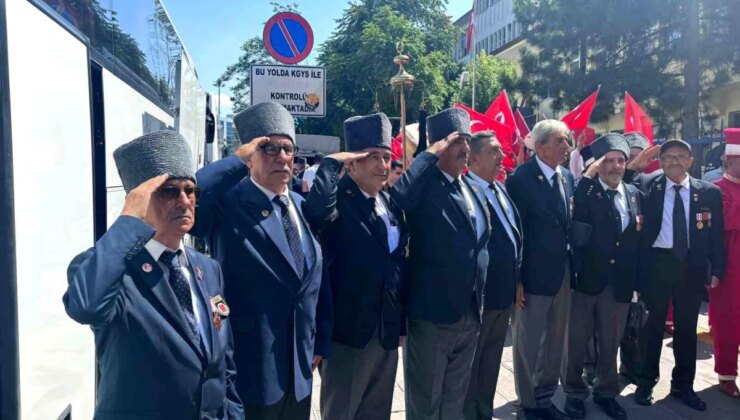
<point>78,78</point>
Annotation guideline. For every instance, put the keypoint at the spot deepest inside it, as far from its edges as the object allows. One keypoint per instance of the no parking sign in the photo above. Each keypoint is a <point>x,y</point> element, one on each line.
<point>288,37</point>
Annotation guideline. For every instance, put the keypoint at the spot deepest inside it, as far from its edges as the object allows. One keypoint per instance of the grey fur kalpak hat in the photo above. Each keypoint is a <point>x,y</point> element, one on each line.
<point>361,132</point>
<point>264,119</point>
<point>610,142</point>
<point>637,139</point>
<point>151,155</point>
<point>442,124</point>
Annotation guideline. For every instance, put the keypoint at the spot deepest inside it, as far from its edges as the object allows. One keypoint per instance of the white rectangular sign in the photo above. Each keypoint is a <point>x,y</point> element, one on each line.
<point>300,89</point>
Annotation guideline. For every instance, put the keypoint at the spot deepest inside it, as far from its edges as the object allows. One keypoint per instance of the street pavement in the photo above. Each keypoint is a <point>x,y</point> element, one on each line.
<point>720,407</point>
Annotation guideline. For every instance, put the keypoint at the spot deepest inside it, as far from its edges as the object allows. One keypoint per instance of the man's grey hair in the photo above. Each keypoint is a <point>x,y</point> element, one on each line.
<point>479,138</point>
<point>545,129</point>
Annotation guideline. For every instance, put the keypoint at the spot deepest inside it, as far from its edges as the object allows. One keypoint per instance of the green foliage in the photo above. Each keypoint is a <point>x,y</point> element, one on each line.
<point>638,46</point>
<point>492,76</point>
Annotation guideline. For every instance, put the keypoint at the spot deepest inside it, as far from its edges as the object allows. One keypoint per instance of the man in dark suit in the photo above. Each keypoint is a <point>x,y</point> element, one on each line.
<point>162,336</point>
<point>448,259</point>
<point>610,211</point>
<point>364,241</point>
<point>541,190</point>
<point>272,265</point>
<point>684,251</point>
<point>505,258</point>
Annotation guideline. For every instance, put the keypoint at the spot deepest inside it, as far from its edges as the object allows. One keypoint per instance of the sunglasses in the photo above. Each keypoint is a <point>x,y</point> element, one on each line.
<point>171,192</point>
<point>271,149</point>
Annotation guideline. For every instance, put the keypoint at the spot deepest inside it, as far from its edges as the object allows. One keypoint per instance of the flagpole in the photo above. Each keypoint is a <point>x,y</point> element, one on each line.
<point>472,104</point>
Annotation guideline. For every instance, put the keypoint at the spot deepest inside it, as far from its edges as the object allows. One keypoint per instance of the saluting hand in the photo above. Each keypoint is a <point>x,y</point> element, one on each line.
<point>246,151</point>
<point>593,169</point>
<point>643,159</point>
<point>348,157</point>
<point>139,199</point>
<point>439,147</point>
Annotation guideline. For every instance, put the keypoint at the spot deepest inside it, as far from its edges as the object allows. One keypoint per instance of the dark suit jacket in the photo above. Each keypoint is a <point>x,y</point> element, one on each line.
<point>503,263</point>
<point>447,261</point>
<point>611,256</point>
<point>707,254</point>
<point>151,365</point>
<point>546,236</point>
<point>367,280</point>
<point>280,321</point>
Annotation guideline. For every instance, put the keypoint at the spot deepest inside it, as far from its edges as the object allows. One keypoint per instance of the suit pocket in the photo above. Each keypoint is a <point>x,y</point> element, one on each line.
<point>241,324</point>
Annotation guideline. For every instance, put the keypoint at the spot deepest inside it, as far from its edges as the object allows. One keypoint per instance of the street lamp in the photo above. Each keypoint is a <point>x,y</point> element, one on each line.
<point>401,81</point>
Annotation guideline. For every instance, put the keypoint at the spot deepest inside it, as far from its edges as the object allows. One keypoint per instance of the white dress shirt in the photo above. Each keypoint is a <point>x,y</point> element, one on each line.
<point>576,164</point>
<point>385,214</point>
<point>620,201</point>
<point>303,232</point>
<point>665,237</point>
<point>309,175</point>
<point>477,212</point>
<point>156,249</point>
<point>500,212</point>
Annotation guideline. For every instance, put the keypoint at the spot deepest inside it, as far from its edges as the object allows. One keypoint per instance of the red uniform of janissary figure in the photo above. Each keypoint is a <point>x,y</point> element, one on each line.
<point>724,308</point>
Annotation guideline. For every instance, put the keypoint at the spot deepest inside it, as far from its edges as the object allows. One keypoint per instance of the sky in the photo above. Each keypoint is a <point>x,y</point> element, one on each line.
<point>214,30</point>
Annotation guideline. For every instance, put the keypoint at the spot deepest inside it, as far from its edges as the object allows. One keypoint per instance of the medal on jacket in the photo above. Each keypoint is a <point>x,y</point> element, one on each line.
<point>639,219</point>
<point>704,216</point>
<point>199,273</point>
<point>220,310</point>
<point>700,221</point>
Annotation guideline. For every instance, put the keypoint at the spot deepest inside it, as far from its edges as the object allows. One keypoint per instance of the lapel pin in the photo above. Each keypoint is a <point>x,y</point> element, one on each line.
<point>349,192</point>
<point>265,213</point>
<point>541,178</point>
<point>219,306</point>
<point>146,267</point>
<point>199,272</point>
<point>633,199</point>
<point>659,187</point>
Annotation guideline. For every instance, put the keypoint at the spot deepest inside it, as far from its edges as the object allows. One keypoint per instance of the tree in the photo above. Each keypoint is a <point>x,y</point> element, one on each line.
<point>253,52</point>
<point>359,59</point>
<point>648,47</point>
<point>492,75</point>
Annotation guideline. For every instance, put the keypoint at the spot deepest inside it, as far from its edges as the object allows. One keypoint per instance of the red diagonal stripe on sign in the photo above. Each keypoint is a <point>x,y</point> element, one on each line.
<point>288,38</point>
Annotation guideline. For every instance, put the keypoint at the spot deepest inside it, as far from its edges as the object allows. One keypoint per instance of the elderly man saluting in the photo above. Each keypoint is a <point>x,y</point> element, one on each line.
<point>156,308</point>
<point>273,266</point>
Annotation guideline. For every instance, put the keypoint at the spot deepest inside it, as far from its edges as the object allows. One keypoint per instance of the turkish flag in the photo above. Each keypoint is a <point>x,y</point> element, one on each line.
<point>635,119</point>
<point>504,134</point>
<point>579,117</point>
<point>471,29</point>
<point>500,110</point>
<point>397,148</point>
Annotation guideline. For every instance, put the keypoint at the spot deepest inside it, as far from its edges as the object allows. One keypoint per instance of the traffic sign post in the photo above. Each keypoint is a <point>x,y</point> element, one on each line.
<point>288,37</point>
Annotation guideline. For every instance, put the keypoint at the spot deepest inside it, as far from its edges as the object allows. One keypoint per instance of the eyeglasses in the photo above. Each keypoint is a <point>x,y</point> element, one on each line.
<point>171,192</point>
<point>672,158</point>
<point>272,149</point>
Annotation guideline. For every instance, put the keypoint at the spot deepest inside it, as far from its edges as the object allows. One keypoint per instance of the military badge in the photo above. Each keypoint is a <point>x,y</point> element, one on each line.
<point>146,267</point>
<point>199,273</point>
<point>659,187</point>
<point>220,310</point>
<point>696,197</point>
<point>639,219</point>
<point>634,199</point>
<point>219,306</point>
<point>265,213</point>
<point>541,178</point>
